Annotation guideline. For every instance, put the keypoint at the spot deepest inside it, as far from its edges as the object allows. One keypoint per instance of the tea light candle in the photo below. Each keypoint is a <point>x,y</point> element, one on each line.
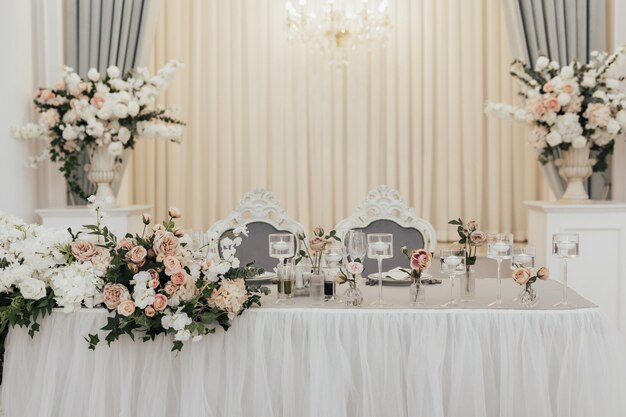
<point>333,257</point>
<point>452,260</point>
<point>281,246</point>
<point>500,246</point>
<point>564,247</point>
<point>523,258</point>
<point>380,246</point>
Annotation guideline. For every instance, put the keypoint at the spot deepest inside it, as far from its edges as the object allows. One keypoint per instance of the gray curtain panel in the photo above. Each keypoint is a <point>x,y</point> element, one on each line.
<point>101,33</point>
<point>564,30</point>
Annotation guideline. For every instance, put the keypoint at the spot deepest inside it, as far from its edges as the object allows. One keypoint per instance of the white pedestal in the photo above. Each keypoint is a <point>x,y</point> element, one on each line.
<point>119,220</point>
<point>599,271</point>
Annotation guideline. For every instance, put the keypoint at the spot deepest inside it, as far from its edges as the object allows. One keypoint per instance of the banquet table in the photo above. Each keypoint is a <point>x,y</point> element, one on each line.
<point>299,360</point>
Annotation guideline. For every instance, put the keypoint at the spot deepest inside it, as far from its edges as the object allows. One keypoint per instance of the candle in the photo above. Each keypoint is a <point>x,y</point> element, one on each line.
<point>564,247</point>
<point>333,257</point>
<point>500,246</point>
<point>281,246</point>
<point>380,246</point>
<point>523,258</point>
<point>452,260</point>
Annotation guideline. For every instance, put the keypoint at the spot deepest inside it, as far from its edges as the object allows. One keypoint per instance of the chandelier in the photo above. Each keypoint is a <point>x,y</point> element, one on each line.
<point>336,27</point>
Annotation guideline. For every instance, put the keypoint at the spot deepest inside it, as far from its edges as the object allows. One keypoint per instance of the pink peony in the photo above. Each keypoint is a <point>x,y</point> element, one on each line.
<point>165,244</point>
<point>114,294</point>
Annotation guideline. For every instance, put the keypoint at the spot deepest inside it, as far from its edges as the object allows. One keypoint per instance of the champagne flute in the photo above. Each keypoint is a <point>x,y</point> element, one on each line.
<point>452,263</point>
<point>356,245</point>
<point>565,246</point>
<point>499,246</point>
<point>282,246</point>
<point>379,247</point>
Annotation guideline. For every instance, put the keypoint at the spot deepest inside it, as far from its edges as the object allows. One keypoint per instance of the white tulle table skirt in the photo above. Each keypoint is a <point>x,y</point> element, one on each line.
<point>328,362</point>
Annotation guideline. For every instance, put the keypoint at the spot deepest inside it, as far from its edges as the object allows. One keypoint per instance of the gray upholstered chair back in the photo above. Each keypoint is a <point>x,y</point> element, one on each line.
<point>254,247</point>
<point>384,211</point>
<point>402,236</point>
<point>262,215</point>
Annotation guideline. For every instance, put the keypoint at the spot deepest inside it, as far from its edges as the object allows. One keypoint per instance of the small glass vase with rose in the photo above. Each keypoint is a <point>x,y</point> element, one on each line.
<point>420,260</point>
<point>471,238</point>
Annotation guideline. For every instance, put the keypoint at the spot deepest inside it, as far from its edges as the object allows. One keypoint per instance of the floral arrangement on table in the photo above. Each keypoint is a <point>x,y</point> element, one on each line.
<point>153,283</point>
<point>349,273</point>
<point>419,260</point>
<point>103,115</point>
<point>524,276</point>
<point>577,106</point>
<point>317,244</point>
<point>471,238</point>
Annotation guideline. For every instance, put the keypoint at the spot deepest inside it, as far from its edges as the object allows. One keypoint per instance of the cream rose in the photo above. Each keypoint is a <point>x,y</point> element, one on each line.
<point>126,308</point>
<point>32,289</point>
<point>125,243</point>
<point>174,212</point>
<point>137,255</point>
<point>165,244</point>
<point>178,278</point>
<point>83,251</point>
<point>172,265</point>
<point>160,302</point>
<point>478,238</point>
<point>521,275</point>
<point>543,273</point>
<point>114,294</point>
<point>317,243</point>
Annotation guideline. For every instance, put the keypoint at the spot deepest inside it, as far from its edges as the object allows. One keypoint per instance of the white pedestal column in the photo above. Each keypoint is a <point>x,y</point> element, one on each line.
<point>599,272</point>
<point>120,220</point>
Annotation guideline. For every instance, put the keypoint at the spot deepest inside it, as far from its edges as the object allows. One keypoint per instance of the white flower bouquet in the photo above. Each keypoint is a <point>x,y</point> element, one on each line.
<point>105,110</point>
<point>576,105</point>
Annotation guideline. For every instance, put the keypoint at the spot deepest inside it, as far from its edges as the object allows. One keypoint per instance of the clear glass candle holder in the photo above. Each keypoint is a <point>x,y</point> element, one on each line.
<point>379,247</point>
<point>452,263</point>
<point>499,247</point>
<point>565,246</point>
<point>282,246</point>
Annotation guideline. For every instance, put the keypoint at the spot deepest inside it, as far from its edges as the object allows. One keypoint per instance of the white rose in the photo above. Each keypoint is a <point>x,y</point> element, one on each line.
<point>621,118</point>
<point>567,72</point>
<point>104,113</point>
<point>579,142</point>
<point>612,83</point>
<point>70,133</point>
<point>554,65</point>
<point>32,289</point>
<point>115,148</point>
<point>113,71</point>
<point>120,111</point>
<point>613,127</point>
<point>123,135</point>
<point>182,335</point>
<point>93,74</point>
<point>542,63</point>
<point>133,108</point>
<point>588,81</point>
<point>564,99</point>
<point>554,138</point>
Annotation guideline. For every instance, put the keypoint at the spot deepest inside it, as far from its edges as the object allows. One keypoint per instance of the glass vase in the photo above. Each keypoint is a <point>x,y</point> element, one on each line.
<point>528,297</point>
<point>353,296</point>
<point>417,293</point>
<point>468,285</point>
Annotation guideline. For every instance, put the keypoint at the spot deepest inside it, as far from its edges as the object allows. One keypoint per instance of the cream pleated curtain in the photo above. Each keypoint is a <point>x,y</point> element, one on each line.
<point>262,112</point>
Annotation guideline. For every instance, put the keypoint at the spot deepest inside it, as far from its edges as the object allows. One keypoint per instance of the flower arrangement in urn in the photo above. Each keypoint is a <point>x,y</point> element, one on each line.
<point>101,115</point>
<point>317,244</point>
<point>572,110</point>
<point>349,273</point>
<point>524,276</point>
<point>420,260</point>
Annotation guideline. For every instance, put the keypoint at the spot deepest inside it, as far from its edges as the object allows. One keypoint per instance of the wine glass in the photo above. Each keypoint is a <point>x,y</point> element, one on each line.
<point>452,263</point>
<point>282,246</point>
<point>499,247</point>
<point>565,246</point>
<point>379,247</point>
<point>356,245</point>
<point>334,256</point>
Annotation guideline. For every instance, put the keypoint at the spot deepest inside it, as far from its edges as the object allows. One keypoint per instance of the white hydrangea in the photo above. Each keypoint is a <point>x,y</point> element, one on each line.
<point>568,127</point>
<point>74,285</point>
<point>142,293</point>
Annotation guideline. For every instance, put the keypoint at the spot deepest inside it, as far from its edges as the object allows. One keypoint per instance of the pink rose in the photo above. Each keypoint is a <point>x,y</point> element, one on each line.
<point>472,225</point>
<point>83,250</point>
<point>318,231</point>
<point>548,87</point>
<point>478,238</point>
<point>126,308</point>
<point>46,95</point>
<point>172,265</point>
<point>178,278</point>
<point>133,267</point>
<point>521,275</point>
<point>59,85</point>
<point>97,100</point>
<point>160,302</point>
<point>543,273</point>
<point>137,255</point>
<point>125,243</point>
<point>567,88</point>
<point>170,288</point>
<point>420,259</point>
<point>165,244</point>
<point>154,274</point>
<point>174,212</point>
<point>317,243</point>
<point>146,218</point>
<point>552,104</point>
<point>153,283</point>
<point>149,311</point>
<point>114,294</point>
<point>355,268</point>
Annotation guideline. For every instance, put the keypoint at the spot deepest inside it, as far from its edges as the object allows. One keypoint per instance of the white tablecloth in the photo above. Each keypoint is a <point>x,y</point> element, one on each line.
<point>301,361</point>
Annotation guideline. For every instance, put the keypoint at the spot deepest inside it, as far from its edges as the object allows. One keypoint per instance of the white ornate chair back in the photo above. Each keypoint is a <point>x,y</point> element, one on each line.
<point>384,211</point>
<point>262,215</point>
